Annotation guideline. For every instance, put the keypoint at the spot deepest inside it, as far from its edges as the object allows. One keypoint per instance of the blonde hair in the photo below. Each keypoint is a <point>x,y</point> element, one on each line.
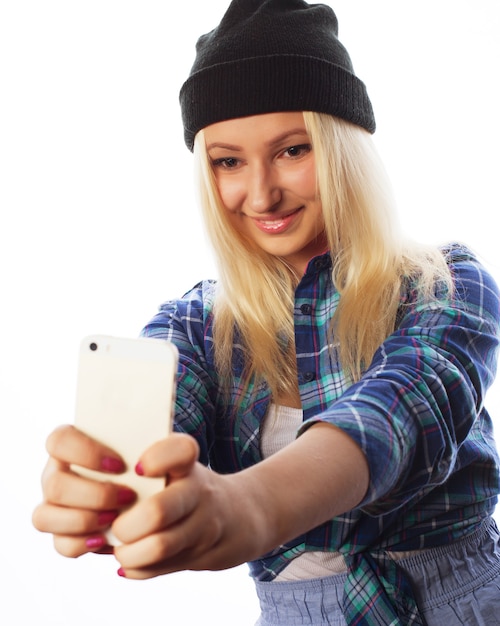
<point>370,259</point>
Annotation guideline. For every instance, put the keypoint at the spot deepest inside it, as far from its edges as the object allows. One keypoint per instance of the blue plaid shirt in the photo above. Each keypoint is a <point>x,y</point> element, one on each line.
<point>417,413</point>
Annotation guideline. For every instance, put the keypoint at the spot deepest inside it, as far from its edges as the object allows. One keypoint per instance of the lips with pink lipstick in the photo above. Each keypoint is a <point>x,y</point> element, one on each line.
<point>278,224</point>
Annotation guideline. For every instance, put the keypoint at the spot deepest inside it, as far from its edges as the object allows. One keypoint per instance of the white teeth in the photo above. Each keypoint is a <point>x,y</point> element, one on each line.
<point>273,225</point>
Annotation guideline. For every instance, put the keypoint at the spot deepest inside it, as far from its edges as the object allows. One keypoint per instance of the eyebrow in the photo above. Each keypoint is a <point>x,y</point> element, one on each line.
<point>275,140</point>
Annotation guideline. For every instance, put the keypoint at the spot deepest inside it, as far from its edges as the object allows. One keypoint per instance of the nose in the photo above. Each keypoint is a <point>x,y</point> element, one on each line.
<point>263,189</point>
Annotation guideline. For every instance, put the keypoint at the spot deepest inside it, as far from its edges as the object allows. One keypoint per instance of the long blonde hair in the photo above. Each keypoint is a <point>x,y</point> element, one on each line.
<point>370,259</point>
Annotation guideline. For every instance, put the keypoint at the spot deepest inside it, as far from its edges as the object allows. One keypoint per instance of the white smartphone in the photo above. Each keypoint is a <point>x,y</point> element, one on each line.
<point>125,398</point>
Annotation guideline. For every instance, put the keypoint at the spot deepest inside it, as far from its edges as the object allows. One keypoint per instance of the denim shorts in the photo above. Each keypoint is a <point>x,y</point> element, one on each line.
<point>454,584</point>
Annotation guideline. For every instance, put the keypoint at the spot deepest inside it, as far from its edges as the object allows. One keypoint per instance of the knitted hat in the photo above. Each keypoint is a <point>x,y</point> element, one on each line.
<point>269,56</point>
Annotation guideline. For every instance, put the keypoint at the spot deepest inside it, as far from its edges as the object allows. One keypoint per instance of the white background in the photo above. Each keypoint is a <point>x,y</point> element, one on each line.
<point>99,225</point>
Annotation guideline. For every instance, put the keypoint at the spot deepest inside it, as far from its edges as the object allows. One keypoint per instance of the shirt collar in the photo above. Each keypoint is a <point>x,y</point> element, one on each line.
<point>318,263</point>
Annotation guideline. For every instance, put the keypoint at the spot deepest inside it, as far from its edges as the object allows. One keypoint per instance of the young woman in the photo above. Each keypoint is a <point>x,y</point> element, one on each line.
<point>330,418</point>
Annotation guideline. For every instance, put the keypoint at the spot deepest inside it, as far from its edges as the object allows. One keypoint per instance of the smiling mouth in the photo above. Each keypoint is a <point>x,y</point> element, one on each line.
<point>277,225</point>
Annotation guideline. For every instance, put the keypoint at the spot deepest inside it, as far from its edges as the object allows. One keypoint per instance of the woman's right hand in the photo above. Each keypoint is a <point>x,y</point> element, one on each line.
<point>77,510</point>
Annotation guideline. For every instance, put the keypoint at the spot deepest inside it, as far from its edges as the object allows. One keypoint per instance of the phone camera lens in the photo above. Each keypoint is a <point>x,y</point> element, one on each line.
<point>93,346</point>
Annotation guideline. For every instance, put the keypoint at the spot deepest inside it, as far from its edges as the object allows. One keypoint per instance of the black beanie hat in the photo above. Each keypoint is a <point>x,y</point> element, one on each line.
<point>269,56</point>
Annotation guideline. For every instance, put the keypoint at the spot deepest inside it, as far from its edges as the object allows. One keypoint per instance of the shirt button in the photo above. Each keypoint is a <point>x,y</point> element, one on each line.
<point>309,376</point>
<point>306,309</point>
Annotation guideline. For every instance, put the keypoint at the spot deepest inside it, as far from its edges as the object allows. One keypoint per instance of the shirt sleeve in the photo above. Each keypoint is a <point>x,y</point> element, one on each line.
<point>187,323</point>
<point>416,405</point>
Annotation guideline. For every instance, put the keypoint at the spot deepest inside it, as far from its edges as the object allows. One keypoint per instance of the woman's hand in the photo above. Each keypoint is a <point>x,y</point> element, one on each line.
<point>201,520</point>
<point>77,510</point>
<point>207,521</point>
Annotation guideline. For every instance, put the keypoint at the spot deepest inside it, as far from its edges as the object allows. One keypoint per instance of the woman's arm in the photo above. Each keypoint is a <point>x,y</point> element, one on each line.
<point>187,322</point>
<point>203,520</point>
<point>418,411</point>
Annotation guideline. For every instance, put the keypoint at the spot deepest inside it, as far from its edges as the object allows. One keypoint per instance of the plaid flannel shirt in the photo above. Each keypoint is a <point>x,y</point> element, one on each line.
<point>417,413</point>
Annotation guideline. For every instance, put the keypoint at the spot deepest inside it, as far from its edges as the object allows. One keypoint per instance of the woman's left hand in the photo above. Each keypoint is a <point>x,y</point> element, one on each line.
<point>199,521</point>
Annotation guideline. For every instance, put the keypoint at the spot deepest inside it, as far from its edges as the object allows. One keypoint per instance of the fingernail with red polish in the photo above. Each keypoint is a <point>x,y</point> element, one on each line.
<point>105,518</point>
<point>139,470</point>
<point>121,572</point>
<point>125,496</point>
<point>95,542</point>
<point>110,464</point>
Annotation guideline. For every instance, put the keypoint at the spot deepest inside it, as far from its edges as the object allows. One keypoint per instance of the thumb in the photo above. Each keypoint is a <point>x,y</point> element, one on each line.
<point>174,457</point>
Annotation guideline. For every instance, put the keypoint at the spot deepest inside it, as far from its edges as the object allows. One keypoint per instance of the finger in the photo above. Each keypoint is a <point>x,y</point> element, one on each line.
<point>74,547</point>
<point>173,456</point>
<point>167,507</point>
<point>151,552</point>
<point>194,532</point>
<point>67,489</point>
<point>63,521</point>
<point>215,554</point>
<point>173,551</point>
<point>179,563</point>
<point>70,446</point>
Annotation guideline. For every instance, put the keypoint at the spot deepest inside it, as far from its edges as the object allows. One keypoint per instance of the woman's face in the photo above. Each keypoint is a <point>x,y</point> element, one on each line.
<point>265,172</point>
